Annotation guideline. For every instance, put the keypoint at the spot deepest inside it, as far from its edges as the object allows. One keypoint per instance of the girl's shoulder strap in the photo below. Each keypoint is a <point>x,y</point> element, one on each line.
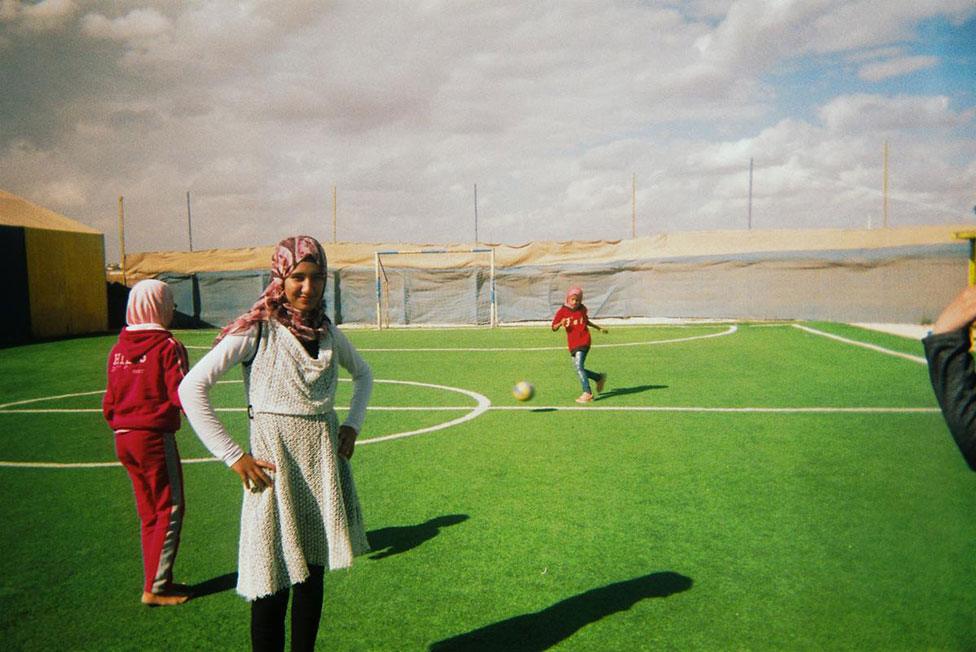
<point>257,344</point>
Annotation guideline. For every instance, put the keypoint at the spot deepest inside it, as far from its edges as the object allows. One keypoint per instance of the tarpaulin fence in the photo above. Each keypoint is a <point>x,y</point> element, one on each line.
<point>898,284</point>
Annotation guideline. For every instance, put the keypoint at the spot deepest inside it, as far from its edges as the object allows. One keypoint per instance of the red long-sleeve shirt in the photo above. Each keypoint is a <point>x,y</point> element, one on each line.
<point>145,368</point>
<point>577,333</point>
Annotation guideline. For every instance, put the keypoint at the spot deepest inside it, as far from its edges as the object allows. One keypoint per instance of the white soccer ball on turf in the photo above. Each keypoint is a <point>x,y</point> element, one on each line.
<point>523,391</point>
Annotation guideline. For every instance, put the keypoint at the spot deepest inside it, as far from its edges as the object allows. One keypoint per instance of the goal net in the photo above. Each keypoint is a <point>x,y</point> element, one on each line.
<point>435,287</point>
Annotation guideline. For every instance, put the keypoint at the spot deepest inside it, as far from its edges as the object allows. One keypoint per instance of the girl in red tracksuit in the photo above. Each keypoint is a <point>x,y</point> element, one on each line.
<point>573,317</point>
<point>142,406</point>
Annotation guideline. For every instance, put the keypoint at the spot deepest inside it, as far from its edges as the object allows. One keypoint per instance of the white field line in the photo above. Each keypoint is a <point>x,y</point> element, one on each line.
<point>483,406</point>
<point>873,347</point>
<point>51,398</point>
<point>338,408</point>
<point>87,465</point>
<point>730,330</point>
<point>585,408</point>
<point>4,406</point>
<point>726,410</point>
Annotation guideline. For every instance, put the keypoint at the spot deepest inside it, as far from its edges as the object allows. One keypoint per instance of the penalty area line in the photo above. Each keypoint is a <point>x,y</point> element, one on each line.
<point>865,345</point>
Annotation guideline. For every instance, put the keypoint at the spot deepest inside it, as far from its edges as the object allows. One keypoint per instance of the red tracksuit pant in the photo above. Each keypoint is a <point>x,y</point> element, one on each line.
<point>153,463</point>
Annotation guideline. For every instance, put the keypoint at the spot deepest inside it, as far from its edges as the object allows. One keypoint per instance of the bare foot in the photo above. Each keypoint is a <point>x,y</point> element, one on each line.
<point>163,599</point>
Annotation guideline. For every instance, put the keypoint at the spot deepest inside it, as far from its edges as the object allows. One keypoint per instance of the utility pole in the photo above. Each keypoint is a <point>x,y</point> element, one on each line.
<point>633,207</point>
<point>885,186</point>
<point>750,194</point>
<point>189,221</point>
<point>122,238</point>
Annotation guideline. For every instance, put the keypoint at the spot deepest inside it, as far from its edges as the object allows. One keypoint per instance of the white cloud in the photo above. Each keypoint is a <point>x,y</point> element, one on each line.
<point>881,70</point>
<point>66,192</point>
<point>135,26</point>
<point>259,108</point>
<point>856,113</point>
<point>43,16</point>
<point>756,34</point>
<point>873,54</point>
<point>9,9</point>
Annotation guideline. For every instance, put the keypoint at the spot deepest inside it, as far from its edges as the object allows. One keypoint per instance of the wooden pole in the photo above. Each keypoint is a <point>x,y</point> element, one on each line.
<point>189,221</point>
<point>885,186</point>
<point>122,238</point>
<point>633,207</point>
<point>750,194</point>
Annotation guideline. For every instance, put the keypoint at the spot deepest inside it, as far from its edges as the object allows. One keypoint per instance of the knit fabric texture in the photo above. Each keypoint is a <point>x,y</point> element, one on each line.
<point>312,515</point>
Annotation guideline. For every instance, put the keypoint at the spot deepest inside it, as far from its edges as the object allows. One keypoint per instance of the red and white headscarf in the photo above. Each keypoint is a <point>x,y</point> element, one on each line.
<point>574,292</point>
<point>307,326</point>
<point>150,302</point>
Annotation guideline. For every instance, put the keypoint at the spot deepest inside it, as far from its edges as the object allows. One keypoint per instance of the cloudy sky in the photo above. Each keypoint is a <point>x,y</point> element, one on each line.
<point>258,108</point>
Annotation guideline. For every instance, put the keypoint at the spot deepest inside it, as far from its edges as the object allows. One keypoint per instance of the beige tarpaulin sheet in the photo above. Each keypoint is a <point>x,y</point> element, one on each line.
<point>899,275</point>
<point>664,246</point>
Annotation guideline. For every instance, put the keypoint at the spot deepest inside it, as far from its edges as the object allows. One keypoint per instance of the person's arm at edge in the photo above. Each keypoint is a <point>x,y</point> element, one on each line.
<point>951,371</point>
<point>362,380</point>
<point>194,393</point>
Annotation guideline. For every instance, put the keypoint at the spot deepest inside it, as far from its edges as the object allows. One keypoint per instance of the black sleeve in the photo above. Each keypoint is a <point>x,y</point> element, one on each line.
<point>954,382</point>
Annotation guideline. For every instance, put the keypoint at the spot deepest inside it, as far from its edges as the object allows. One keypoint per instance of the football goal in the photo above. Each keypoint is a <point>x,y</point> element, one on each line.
<point>435,287</point>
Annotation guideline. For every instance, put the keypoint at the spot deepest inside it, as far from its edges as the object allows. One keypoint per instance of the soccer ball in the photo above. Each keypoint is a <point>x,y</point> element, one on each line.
<point>523,391</point>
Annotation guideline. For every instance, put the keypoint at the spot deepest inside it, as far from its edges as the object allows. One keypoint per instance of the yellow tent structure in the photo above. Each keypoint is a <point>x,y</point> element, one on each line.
<point>54,268</point>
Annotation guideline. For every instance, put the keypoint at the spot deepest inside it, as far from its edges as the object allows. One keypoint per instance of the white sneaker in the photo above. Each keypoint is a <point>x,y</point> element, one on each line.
<point>585,397</point>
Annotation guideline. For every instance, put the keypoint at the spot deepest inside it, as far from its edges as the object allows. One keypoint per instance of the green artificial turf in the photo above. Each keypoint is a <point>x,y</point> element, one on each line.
<point>544,524</point>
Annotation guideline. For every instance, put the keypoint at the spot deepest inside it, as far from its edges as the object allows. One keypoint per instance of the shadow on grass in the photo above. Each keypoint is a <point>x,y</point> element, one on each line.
<point>543,629</point>
<point>390,541</point>
<point>216,585</point>
<point>623,391</point>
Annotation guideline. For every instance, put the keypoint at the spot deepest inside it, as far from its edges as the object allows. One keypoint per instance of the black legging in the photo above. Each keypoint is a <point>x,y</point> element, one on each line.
<point>268,616</point>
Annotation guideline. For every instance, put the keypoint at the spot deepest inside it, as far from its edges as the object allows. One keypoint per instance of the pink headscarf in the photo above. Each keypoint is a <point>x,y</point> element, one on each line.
<point>272,304</point>
<point>574,292</point>
<point>150,302</point>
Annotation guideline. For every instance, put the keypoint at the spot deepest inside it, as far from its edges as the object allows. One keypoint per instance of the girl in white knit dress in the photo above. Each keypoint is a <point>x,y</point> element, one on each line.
<point>301,514</point>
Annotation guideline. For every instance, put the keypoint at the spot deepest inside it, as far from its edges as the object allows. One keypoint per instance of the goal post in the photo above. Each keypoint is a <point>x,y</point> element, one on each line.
<point>435,287</point>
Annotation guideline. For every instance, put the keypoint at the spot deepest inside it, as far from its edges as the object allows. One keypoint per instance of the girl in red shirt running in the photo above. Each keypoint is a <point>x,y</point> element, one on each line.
<point>573,317</point>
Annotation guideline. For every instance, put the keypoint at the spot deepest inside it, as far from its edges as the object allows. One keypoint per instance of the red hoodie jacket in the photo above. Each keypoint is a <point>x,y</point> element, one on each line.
<point>144,372</point>
<point>577,333</point>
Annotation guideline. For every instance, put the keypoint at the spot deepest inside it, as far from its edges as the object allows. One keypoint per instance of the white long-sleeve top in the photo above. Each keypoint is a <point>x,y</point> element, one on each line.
<point>237,348</point>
